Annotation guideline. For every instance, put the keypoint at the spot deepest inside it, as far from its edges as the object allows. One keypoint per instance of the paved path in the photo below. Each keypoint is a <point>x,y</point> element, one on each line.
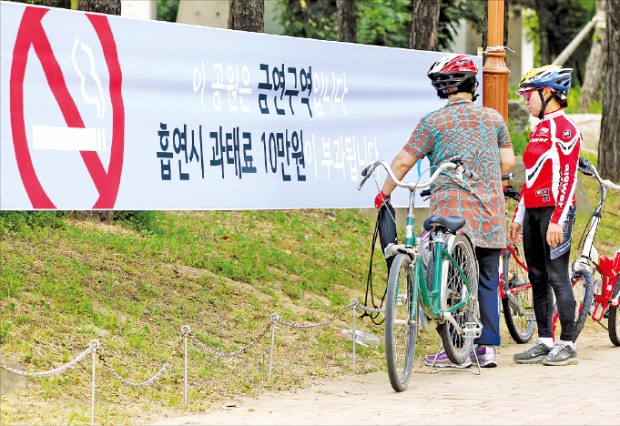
<point>510,394</point>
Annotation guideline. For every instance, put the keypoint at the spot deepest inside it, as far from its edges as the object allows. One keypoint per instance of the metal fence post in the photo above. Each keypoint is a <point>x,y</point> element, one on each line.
<point>94,344</point>
<point>185,331</point>
<point>353,331</point>
<point>274,318</point>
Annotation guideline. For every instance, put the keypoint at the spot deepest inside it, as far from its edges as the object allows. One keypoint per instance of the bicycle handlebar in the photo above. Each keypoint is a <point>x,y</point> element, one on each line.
<point>588,168</point>
<point>454,163</point>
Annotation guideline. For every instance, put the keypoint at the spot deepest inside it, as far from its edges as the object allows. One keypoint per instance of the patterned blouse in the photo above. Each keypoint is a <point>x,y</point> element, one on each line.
<point>475,134</point>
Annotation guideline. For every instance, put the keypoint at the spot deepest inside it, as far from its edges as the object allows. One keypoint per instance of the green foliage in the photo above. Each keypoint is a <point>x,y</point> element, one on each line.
<point>317,19</point>
<point>379,22</point>
<point>141,221</point>
<point>167,10</point>
<point>519,138</point>
<point>559,21</point>
<point>16,221</point>
<point>574,95</point>
<point>384,23</point>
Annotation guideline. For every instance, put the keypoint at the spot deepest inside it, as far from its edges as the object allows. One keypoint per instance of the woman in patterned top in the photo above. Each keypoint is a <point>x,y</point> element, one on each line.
<point>546,211</point>
<point>479,136</point>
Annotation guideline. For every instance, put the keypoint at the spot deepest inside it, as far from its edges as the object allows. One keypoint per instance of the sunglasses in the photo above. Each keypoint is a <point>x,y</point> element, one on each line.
<point>527,95</point>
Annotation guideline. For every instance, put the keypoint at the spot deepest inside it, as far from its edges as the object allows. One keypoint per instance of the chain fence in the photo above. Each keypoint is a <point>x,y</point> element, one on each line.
<point>186,335</point>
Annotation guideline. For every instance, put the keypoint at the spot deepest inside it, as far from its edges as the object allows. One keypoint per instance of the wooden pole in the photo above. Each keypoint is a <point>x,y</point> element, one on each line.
<point>495,73</point>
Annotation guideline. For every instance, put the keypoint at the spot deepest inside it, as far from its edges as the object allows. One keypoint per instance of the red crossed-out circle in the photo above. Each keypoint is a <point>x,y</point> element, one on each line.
<point>31,33</point>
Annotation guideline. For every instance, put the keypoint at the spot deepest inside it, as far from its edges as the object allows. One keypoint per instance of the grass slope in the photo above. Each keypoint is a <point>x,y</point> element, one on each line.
<point>66,282</point>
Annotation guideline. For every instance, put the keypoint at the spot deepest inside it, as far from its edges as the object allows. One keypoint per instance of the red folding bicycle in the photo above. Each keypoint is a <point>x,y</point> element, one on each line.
<point>597,298</point>
<point>515,290</point>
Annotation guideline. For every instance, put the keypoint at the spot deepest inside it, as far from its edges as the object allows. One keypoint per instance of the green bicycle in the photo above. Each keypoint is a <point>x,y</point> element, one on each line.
<point>444,292</point>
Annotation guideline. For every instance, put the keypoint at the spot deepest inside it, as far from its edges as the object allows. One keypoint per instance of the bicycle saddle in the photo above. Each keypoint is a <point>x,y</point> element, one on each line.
<point>452,223</point>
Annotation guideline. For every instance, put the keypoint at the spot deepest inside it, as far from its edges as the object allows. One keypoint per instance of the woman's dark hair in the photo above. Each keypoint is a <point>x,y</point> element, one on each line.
<point>468,86</point>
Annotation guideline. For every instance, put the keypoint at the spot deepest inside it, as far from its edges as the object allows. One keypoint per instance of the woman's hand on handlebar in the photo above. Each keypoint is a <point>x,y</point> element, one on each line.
<point>381,199</point>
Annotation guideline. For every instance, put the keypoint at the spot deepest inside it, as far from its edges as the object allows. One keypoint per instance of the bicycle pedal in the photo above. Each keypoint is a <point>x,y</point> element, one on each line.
<point>472,330</point>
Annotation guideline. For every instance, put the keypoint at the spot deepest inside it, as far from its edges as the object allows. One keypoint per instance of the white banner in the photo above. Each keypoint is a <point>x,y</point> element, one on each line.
<point>104,112</point>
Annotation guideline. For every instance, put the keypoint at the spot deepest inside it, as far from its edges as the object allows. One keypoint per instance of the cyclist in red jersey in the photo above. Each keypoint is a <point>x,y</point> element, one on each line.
<point>546,211</point>
<point>480,137</point>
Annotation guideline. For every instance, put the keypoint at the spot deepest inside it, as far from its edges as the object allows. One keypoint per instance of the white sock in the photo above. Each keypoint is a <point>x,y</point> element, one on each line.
<point>571,344</point>
<point>548,341</point>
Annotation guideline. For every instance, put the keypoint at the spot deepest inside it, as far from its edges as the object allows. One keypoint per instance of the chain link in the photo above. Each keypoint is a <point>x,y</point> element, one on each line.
<point>93,348</point>
<point>369,309</point>
<point>353,304</point>
<point>232,353</point>
<point>157,375</point>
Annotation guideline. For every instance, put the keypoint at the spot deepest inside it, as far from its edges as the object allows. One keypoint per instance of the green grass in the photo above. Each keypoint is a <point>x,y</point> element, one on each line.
<point>133,284</point>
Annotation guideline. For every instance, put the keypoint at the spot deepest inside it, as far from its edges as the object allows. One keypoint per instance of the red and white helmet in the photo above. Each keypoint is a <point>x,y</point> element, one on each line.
<point>449,72</point>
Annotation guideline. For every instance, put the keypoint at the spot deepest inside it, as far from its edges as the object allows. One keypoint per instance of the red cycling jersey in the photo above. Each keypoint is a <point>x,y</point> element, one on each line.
<point>551,161</point>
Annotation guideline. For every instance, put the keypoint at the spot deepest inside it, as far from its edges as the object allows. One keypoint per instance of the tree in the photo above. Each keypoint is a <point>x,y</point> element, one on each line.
<point>424,23</point>
<point>378,22</point>
<point>609,145</point>
<point>557,23</point>
<point>167,10</point>
<point>347,26</point>
<point>247,15</point>
<point>591,89</point>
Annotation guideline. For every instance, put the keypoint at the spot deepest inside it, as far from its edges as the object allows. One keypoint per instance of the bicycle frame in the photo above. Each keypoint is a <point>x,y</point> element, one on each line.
<point>607,267</point>
<point>431,300</point>
<point>595,303</point>
<point>504,289</point>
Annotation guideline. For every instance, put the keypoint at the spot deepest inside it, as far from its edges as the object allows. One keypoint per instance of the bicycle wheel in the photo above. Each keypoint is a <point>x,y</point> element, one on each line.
<point>584,298</point>
<point>613,324</point>
<point>518,302</point>
<point>457,345</point>
<point>401,322</point>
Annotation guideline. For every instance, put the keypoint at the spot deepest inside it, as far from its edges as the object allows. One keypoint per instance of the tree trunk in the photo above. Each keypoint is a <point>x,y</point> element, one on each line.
<point>591,89</point>
<point>247,15</point>
<point>424,23</point>
<point>546,21</point>
<point>109,7</point>
<point>609,145</point>
<point>347,25</point>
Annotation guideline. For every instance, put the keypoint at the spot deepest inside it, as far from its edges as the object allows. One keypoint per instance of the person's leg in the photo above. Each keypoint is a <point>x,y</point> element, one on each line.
<point>564,351</point>
<point>488,265</point>
<point>559,280</point>
<point>536,252</point>
<point>534,235</point>
<point>488,298</point>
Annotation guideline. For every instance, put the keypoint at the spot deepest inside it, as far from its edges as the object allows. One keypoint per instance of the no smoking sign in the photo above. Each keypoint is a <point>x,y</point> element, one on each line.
<point>31,34</point>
